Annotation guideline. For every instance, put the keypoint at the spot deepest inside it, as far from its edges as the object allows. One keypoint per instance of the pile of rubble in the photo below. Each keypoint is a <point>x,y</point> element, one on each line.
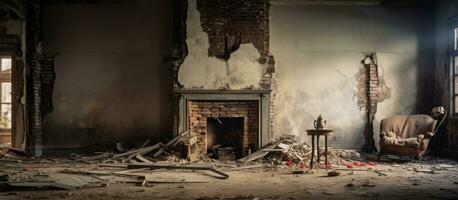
<point>145,153</point>
<point>134,165</point>
<point>287,151</point>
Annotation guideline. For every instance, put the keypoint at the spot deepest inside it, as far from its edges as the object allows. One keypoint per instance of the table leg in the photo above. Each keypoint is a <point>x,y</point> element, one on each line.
<point>318,148</point>
<point>326,150</point>
<point>313,151</point>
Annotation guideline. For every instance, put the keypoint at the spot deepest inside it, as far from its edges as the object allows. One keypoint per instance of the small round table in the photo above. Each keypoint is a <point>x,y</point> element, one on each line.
<point>317,133</point>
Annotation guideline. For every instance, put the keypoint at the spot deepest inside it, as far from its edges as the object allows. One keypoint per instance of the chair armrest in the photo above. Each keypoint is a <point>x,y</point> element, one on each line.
<point>382,134</point>
<point>429,134</point>
<point>420,137</point>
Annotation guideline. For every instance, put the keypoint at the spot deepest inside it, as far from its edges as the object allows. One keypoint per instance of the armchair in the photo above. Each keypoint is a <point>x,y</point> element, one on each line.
<point>409,135</point>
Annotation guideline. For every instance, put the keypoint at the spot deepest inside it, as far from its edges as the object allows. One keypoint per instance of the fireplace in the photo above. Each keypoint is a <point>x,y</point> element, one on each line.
<point>226,133</point>
<point>238,119</point>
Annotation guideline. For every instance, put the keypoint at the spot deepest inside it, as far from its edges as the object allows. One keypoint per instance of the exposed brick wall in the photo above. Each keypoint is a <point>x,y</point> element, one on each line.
<point>199,111</point>
<point>47,82</point>
<point>229,23</point>
<point>371,104</point>
<point>268,82</point>
<point>371,90</point>
<point>33,29</point>
<point>36,122</point>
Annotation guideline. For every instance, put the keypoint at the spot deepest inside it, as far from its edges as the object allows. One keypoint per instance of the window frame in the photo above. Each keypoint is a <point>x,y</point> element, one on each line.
<point>453,63</point>
<point>8,79</point>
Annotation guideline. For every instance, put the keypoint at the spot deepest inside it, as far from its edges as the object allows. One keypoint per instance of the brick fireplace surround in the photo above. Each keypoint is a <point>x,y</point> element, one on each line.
<point>197,106</point>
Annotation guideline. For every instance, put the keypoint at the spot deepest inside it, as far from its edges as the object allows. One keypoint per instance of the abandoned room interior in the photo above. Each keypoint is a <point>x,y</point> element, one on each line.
<point>229,99</point>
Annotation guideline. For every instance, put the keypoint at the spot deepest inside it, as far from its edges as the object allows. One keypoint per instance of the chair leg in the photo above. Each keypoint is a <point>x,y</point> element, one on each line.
<point>418,157</point>
<point>380,153</point>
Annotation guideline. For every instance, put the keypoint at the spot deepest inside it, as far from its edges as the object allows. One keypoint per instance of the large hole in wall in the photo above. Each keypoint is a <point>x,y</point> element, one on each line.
<point>241,70</point>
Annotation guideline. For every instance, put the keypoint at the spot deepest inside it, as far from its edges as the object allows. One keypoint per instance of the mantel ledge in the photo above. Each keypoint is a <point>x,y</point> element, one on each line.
<point>212,91</point>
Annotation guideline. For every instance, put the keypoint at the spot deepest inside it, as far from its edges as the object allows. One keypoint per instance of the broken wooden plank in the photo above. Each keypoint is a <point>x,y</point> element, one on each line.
<point>67,182</point>
<point>273,150</point>
<point>257,155</point>
<point>142,159</point>
<point>39,185</point>
<point>176,139</point>
<point>141,151</point>
<point>156,166</point>
<point>97,157</point>
<point>114,165</point>
<point>14,152</point>
<point>76,171</point>
<point>159,152</point>
<point>134,170</point>
<point>380,172</point>
<point>247,167</point>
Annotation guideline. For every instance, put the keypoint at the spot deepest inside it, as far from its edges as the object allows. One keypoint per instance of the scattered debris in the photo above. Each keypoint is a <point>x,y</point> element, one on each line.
<point>298,171</point>
<point>350,185</point>
<point>161,163</point>
<point>328,193</point>
<point>380,173</point>
<point>334,173</point>
<point>425,170</point>
<point>13,152</point>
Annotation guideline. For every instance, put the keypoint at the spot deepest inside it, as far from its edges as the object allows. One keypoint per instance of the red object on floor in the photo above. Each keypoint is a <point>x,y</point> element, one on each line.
<point>359,164</point>
<point>289,163</point>
<point>371,163</point>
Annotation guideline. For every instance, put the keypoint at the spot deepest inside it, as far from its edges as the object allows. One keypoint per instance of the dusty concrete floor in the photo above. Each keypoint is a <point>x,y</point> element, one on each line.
<point>401,181</point>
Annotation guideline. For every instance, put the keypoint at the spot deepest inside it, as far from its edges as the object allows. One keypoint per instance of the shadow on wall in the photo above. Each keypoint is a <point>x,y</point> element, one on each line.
<point>111,104</point>
<point>426,62</point>
<point>111,83</point>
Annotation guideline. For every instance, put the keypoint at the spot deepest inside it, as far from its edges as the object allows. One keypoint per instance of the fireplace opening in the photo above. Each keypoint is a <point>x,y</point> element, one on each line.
<point>225,137</point>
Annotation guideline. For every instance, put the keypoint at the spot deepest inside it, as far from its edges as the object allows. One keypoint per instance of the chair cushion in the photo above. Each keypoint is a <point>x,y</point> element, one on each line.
<point>408,126</point>
<point>392,139</point>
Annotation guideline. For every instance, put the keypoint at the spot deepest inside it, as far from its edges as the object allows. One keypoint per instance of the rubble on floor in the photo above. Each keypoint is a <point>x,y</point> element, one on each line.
<point>286,151</point>
<point>158,163</point>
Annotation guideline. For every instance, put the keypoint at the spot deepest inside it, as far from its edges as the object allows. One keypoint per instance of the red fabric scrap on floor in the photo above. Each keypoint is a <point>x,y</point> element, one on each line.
<point>371,163</point>
<point>289,163</point>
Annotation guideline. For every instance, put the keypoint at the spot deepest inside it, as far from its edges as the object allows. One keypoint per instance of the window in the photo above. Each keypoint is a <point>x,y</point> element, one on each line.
<point>5,99</point>
<point>454,65</point>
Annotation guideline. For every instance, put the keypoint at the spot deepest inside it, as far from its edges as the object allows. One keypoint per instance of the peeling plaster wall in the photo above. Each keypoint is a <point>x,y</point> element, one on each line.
<point>111,83</point>
<point>318,50</point>
<point>242,70</point>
